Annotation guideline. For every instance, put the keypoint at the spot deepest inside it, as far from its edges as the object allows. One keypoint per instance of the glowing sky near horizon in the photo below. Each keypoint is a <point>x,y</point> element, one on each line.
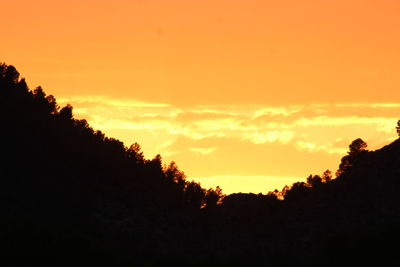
<point>248,95</point>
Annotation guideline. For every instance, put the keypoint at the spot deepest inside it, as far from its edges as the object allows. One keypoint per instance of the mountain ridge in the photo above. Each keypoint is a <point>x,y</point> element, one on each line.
<point>72,195</point>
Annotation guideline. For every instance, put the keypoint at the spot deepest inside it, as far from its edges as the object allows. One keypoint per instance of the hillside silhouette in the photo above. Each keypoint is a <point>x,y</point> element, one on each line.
<point>70,196</point>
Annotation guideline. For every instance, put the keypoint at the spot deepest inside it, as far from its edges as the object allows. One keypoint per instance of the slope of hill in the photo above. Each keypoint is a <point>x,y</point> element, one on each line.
<point>66,186</point>
<point>71,196</point>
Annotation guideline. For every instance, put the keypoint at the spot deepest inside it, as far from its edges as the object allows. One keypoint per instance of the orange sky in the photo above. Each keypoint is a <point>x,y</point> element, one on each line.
<point>249,95</point>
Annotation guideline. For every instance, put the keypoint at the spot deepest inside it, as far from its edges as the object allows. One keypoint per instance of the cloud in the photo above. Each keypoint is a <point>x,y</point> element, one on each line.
<point>369,105</point>
<point>101,122</point>
<point>111,102</point>
<point>309,128</point>
<point>276,111</point>
<point>343,121</point>
<point>203,150</point>
<point>313,148</point>
<point>270,137</point>
<point>81,111</point>
<point>204,114</point>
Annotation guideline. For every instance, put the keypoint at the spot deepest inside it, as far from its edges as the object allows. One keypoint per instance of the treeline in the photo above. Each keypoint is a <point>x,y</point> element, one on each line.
<point>69,195</point>
<point>50,133</point>
<point>69,183</point>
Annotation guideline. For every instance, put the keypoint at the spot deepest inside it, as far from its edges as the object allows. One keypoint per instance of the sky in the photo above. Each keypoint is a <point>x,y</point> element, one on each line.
<point>247,95</point>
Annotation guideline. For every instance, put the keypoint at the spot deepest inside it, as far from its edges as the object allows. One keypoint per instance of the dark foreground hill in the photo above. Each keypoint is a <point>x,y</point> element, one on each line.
<point>71,196</point>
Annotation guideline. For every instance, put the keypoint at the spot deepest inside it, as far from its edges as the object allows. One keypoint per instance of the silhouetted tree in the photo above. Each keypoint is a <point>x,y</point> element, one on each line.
<point>314,181</point>
<point>65,113</point>
<point>356,148</point>
<point>173,174</point>
<point>213,197</point>
<point>134,152</point>
<point>194,195</point>
<point>398,127</point>
<point>327,176</point>
<point>10,74</point>
<point>45,104</point>
<point>284,190</point>
<point>297,191</point>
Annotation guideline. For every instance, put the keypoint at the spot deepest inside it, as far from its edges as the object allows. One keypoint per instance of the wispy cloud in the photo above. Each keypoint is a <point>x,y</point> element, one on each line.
<point>296,125</point>
<point>369,105</point>
<point>270,136</point>
<point>203,150</point>
<point>344,121</point>
<point>112,102</point>
<point>276,111</point>
<point>313,147</point>
<point>317,132</point>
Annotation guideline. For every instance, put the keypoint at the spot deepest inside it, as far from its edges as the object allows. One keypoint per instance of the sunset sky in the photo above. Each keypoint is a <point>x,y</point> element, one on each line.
<point>248,95</point>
